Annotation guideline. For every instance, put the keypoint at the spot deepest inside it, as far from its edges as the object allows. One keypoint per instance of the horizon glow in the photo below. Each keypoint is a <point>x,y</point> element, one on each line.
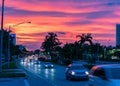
<point>67,18</point>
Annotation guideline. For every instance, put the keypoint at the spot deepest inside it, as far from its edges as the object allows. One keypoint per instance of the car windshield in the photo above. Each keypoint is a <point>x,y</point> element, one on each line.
<point>47,63</point>
<point>77,67</point>
<point>115,73</point>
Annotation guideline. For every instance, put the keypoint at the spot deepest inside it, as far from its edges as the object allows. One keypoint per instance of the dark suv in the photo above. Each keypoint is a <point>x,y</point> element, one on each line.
<point>76,71</point>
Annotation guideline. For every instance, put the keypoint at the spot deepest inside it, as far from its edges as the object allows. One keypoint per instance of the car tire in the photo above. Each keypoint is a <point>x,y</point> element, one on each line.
<point>87,79</point>
<point>69,78</point>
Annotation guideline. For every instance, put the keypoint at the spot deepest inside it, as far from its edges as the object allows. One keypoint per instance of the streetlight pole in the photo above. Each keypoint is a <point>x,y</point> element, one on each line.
<point>1,35</point>
<point>8,52</point>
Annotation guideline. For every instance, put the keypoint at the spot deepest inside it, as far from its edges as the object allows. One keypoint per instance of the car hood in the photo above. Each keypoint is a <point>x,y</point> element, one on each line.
<point>79,71</point>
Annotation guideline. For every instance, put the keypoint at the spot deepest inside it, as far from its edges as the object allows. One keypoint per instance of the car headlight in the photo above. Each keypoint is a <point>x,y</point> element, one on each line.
<point>73,73</point>
<point>87,73</point>
<point>46,65</point>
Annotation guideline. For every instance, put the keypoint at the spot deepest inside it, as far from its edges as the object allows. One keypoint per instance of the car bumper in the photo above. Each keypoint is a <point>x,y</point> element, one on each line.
<point>48,66</point>
<point>79,77</point>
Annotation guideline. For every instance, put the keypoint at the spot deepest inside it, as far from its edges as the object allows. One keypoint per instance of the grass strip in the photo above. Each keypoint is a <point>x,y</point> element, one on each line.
<point>12,74</point>
<point>11,70</point>
<point>11,65</point>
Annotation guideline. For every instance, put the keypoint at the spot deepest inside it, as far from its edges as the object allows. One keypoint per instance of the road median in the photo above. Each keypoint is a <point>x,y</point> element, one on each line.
<point>11,70</point>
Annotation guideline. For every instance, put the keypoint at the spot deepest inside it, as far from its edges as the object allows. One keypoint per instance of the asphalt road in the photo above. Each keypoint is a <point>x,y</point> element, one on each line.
<point>54,76</point>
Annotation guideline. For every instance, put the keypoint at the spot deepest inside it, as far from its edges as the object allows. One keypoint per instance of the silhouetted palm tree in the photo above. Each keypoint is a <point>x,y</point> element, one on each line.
<point>51,42</point>
<point>86,49</point>
<point>84,38</point>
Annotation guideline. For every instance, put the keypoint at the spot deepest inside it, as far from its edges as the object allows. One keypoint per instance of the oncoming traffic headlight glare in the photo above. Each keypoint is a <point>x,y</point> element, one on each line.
<point>46,65</point>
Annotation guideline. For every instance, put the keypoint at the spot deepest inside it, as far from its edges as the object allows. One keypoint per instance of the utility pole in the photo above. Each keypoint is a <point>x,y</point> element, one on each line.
<point>8,52</point>
<point>1,35</point>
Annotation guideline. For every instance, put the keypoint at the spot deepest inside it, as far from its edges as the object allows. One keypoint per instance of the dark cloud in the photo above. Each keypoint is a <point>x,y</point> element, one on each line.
<point>41,34</point>
<point>100,14</point>
<point>33,34</point>
<point>78,22</point>
<point>109,2</point>
<point>17,12</point>
<point>50,1</point>
<point>92,15</point>
<point>61,33</point>
<point>102,4</point>
<point>102,35</point>
<point>114,3</point>
<point>12,11</point>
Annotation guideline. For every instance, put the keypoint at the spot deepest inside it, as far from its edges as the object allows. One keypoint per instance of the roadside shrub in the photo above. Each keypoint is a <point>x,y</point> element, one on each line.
<point>11,65</point>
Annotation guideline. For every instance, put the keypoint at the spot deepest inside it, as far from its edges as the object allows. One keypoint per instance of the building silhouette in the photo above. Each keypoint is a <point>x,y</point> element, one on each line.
<point>117,34</point>
<point>14,38</point>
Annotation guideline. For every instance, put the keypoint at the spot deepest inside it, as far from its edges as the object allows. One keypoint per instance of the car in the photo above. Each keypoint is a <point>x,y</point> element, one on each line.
<point>48,65</point>
<point>36,62</point>
<point>76,71</point>
<point>105,75</point>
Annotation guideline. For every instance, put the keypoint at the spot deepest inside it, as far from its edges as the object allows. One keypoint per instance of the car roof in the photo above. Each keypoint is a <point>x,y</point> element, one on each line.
<point>74,65</point>
<point>79,62</point>
<point>106,66</point>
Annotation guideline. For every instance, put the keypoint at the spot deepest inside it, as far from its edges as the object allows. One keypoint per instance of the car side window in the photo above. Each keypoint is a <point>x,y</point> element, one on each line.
<point>100,73</point>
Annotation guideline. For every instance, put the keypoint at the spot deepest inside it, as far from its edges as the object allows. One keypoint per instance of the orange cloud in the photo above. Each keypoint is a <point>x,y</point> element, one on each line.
<point>72,17</point>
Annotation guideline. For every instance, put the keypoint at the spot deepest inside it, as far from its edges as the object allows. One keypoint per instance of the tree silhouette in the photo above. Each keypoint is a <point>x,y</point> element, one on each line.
<point>13,48</point>
<point>51,42</point>
<point>84,38</point>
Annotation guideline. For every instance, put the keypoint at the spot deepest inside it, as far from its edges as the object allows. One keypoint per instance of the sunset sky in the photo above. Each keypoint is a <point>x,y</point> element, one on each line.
<point>67,18</point>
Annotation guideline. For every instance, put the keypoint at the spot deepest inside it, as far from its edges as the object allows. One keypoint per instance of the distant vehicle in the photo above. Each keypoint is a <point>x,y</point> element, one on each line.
<point>37,62</point>
<point>30,60</point>
<point>48,65</point>
<point>105,75</point>
<point>76,71</point>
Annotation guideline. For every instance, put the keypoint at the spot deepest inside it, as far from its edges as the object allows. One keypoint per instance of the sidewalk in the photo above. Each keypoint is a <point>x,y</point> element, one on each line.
<point>19,81</point>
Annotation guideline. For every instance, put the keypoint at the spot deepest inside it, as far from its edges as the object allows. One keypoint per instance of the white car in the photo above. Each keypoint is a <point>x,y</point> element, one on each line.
<point>105,75</point>
<point>48,65</point>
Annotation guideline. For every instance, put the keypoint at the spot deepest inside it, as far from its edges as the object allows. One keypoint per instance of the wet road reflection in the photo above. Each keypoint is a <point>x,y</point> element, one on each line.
<point>55,75</point>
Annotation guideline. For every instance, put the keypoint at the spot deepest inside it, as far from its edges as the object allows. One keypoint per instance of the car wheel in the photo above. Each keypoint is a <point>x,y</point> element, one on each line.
<point>87,79</point>
<point>70,78</point>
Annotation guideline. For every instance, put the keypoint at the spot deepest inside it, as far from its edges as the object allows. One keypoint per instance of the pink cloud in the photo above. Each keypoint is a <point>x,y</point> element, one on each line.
<point>72,17</point>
